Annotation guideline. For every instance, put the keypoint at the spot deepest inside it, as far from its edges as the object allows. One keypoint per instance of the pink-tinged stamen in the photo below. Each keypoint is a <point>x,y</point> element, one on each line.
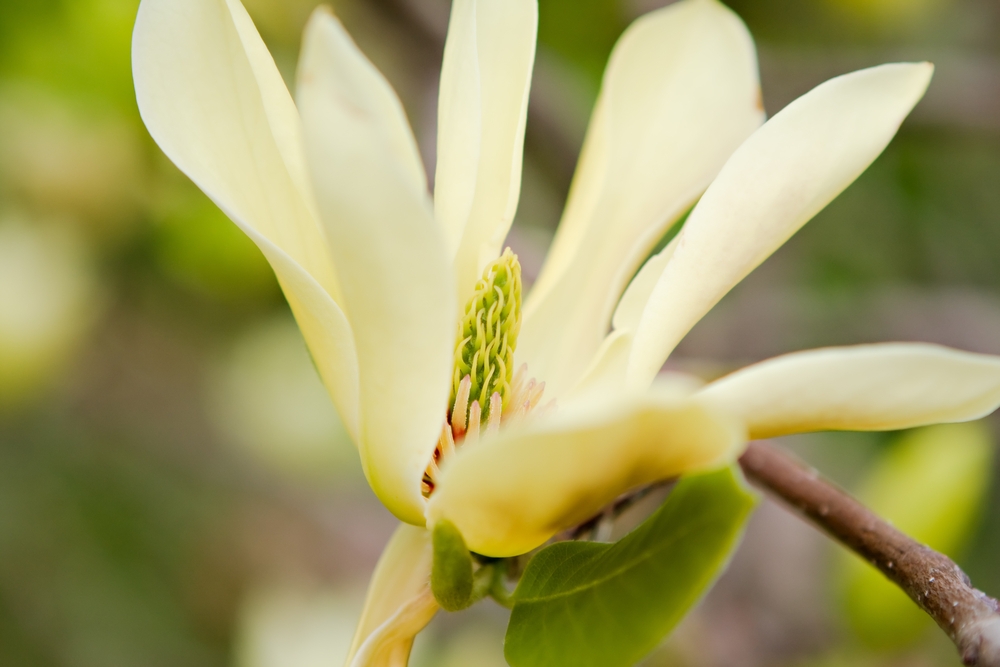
<point>466,419</point>
<point>472,434</point>
<point>461,408</point>
<point>496,407</point>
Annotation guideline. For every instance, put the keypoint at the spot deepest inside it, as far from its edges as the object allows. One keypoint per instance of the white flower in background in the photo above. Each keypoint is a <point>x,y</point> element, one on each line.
<point>381,278</point>
<point>287,625</point>
<point>264,397</point>
<point>48,301</point>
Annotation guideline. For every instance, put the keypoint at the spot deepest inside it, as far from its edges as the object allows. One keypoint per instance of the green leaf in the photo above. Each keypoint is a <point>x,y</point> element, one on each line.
<point>603,605</point>
<point>930,484</point>
<point>451,573</point>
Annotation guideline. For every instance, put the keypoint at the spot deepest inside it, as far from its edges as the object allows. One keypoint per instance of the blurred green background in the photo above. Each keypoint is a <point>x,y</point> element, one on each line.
<point>175,487</point>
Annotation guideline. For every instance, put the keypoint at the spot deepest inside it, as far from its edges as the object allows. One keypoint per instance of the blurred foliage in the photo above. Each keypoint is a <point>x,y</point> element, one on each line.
<point>582,32</point>
<point>199,247</point>
<point>80,48</point>
<point>97,544</point>
<point>930,484</point>
<point>917,216</point>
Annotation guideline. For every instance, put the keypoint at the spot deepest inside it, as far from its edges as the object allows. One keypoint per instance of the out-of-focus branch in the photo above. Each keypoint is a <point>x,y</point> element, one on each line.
<point>969,617</point>
<point>602,522</point>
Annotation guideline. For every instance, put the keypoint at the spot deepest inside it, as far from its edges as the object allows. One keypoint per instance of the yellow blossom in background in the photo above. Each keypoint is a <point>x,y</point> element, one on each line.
<point>381,274</point>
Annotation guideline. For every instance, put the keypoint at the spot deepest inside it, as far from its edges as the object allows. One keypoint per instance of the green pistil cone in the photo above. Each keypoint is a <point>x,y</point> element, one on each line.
<point>487,334</point>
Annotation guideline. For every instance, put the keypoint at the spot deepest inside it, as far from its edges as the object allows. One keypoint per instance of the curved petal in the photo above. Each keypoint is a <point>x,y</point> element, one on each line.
<point>324,327</point>
<point>864,388</point>
<point>399,602</point>
<point>395,281</point>
<point>509,494</point>
<point>482,110</point>
<point>608,368</point>
<point>606,374</point>
<point>680,94</point>
<point>778,179</point>
<point>629,311</point>
<point>214,101</point>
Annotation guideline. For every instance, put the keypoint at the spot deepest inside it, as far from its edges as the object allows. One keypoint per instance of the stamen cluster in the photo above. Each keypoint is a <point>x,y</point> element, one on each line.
<point>524,395</point>
<point>486,390</point>
<point>487,335</point>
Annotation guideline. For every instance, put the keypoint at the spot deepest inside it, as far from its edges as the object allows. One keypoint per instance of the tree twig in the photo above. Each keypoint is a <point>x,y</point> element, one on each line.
<point>611,512</point>
<point>969,617</point>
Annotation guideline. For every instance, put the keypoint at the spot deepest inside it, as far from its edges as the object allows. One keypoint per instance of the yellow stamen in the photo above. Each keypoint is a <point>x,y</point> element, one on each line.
<point>486,390</point>
<point>487,335</point>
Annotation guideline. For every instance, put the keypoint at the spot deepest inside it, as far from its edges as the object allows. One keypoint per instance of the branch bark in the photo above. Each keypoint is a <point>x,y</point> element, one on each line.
<point>932,580</point>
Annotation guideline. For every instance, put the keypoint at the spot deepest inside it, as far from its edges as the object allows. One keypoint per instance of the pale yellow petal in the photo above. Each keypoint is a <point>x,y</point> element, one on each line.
<point>680,94</point>
<point>864,388</point>
<point>628,314</point>
<point>609,365</point>
<point>606,374</point>
<point>324,327</point>
<point>459,124</point>
<point>399,602</point>
<point>511,493</point>
<point>482,111</point>
<point>780,178</point>
<point>214,101</point>
<point>282,115</point>
<point>395,280</point>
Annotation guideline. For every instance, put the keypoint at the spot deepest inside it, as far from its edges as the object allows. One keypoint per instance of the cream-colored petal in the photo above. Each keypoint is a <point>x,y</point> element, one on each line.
<point>680,94</point>
<point>778,179</point>
<point>460,124</point>
<point>511,493</point>
<point>483,106</point>
<point>396,283</point>
<point>609,365</point>
<point>399,601</point>
<point>605,376</point>
<point>213,100</point>
<point>864,388</point>
<point>364,93</point>
<point>628,314</point>
<point>281,113</point>
<point>324,327</point>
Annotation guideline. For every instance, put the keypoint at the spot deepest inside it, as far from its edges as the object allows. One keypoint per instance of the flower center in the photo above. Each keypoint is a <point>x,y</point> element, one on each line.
<point>487,336</point>
<point>486,390</point>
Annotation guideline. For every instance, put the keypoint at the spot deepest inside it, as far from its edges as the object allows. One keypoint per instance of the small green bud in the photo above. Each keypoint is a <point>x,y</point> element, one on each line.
<point>487,334</point>
<point>451,572</point>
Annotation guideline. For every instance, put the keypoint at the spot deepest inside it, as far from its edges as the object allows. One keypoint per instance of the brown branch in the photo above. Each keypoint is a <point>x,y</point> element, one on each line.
<point>612,512</point>
<point>969,617</point>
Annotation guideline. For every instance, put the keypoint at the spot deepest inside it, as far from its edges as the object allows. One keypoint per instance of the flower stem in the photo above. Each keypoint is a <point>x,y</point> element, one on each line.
<point>932,580</point>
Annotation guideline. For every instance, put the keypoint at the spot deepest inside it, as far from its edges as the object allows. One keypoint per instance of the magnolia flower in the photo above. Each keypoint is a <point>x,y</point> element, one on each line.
<point>513,423</point>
